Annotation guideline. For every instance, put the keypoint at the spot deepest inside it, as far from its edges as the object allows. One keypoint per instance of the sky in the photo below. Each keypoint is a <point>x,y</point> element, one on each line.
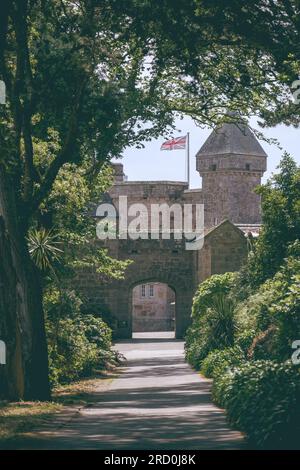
<point>151,164</point>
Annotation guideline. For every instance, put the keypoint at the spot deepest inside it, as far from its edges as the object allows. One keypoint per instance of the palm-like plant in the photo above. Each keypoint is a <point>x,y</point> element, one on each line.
<point>43,248</point>
<point>221,320</point>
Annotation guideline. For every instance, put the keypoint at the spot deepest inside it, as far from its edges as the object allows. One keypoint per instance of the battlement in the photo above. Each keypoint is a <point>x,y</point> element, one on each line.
<point>231,163</point>
<point>151,190</point>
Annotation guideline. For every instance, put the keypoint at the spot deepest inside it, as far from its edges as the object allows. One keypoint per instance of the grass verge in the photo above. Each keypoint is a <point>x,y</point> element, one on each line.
<point>22,417</point>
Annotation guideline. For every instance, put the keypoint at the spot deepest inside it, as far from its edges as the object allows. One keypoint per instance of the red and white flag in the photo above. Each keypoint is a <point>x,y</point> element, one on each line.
<point>177,143</point>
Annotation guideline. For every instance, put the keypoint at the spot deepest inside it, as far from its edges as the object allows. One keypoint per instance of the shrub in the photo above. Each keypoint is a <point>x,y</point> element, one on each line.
<point>77,343</point>
<point>262,399</point>
<point>221,387</point>
<point>97,331</point>
<point>269,321</point>
<point>59,304</point>
<point>197,350</point>
<point>217,362</point>
<point>253,316</point>
<point>219,285</point>
<point>71,355</point>
<point>213,319</point>
<point>286,315</point>
<point>244,339</point>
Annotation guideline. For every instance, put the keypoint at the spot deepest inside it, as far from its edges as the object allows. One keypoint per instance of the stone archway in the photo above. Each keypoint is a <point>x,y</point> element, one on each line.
<point>163,261</point>
<point>153,307</point>
<point>175,273</point>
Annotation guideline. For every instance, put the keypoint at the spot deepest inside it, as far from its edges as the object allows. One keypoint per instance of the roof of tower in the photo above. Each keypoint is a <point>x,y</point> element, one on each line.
<point>232,138</point>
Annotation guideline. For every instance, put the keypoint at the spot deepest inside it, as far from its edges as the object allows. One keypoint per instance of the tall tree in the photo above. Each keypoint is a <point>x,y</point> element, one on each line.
<point>72,83</point>
<point>280,230</point>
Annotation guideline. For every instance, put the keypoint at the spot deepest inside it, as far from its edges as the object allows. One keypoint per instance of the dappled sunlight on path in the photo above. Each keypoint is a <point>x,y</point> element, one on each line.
<point>158,402</point>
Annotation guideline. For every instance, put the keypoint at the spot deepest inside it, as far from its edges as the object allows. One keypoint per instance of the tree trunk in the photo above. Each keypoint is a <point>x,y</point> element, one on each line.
<point>25,374</point>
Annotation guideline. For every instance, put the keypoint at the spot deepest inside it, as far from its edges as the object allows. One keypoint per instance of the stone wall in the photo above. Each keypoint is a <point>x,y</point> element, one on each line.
<point>164,261</point>
<point>231,196</point>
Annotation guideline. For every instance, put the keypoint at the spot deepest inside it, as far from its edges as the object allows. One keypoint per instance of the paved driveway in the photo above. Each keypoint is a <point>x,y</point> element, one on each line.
<point>158,402</point>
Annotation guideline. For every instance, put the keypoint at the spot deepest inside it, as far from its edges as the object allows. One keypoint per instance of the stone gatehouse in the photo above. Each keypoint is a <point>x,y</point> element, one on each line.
<point>231,163</point>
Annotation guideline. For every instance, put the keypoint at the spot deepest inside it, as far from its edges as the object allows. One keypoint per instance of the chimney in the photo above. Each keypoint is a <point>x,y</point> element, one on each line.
<point>119,173</point>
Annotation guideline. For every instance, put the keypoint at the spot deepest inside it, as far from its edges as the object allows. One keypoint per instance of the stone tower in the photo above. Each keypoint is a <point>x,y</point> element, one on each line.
<point>231,163</point>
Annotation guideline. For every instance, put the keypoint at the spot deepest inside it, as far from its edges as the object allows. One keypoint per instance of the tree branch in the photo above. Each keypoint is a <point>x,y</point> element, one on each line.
<point>64,156</point>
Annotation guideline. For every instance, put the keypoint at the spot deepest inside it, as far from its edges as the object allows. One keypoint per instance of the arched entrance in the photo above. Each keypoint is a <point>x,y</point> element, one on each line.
<point>154,261</point>
<point>153,308</point>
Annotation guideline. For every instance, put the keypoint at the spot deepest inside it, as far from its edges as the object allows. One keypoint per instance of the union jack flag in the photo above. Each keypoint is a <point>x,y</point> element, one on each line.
<point>174,144</point>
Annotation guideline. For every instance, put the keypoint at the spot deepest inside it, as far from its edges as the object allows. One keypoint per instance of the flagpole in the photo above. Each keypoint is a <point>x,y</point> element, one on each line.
<point>188,158</point>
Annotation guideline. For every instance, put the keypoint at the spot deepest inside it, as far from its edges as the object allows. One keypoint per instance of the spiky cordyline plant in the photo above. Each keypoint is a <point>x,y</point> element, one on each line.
<point>43,247</point>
